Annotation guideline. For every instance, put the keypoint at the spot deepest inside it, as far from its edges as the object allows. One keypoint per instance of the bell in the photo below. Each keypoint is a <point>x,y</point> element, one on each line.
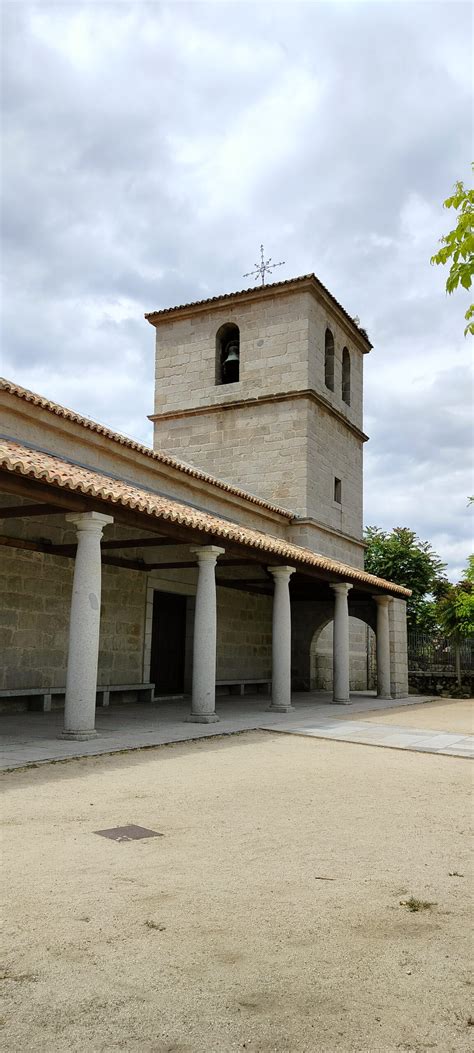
<point>231,354</point>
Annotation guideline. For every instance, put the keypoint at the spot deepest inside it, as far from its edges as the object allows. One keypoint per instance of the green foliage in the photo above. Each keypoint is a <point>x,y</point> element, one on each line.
<point>400,556</point>
<point>458,247</point>
<point>426,616</point>
<point>455,606</point>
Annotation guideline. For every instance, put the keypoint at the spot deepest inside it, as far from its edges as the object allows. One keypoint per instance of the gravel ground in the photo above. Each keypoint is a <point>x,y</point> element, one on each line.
<point>267,918</point>
<point>450,714</point>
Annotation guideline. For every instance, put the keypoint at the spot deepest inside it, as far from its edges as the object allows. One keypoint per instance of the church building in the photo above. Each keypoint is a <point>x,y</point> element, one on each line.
<point>213,562</point>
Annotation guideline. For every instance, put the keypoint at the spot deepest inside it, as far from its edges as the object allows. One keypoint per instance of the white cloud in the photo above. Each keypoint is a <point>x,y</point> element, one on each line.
<point>150,148</point>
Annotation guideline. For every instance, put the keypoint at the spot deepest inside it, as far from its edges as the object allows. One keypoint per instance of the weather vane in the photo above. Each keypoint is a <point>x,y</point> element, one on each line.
<point>263,268</point>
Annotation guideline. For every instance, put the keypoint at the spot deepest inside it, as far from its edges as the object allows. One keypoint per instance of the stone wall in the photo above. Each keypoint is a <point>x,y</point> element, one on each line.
<point>260,448</point>
<point>122,626</point>
<point>244,635</point>
<point>334,451</point>
<point>273,353</point>
<point>281,350</point>
<point>319,319</point>
<point>446,684</point>
<point>327,542</point>
<point>35,596</point>
<point>35,591</point>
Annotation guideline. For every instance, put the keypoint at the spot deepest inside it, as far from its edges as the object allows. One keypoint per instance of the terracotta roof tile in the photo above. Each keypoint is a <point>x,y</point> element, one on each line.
<point>54,471</point>
<point>166,312</point>
<point>156,455</point>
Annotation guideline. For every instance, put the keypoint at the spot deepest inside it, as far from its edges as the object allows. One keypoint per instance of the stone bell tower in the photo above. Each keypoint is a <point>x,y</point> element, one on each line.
<point>263,389</point>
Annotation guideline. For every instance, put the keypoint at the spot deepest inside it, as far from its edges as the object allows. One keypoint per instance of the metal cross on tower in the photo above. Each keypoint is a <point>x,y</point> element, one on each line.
<point>263,268</point>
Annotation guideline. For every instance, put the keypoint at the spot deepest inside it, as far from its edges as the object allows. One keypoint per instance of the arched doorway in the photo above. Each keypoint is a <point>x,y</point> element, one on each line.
<point>362,651</point>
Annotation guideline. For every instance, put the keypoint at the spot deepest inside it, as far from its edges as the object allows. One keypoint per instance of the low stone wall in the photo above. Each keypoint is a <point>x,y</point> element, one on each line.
<point>427,683</point>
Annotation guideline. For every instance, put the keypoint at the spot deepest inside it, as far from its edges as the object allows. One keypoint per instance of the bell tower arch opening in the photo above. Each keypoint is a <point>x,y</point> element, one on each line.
<point>346,376</point>
<point>228,354</point>
<point>329,360</point>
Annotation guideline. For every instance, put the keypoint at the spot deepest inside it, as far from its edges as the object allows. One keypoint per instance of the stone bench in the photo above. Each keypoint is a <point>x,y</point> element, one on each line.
<point>104,692</point>
<point>43,695</point>
<point>241,683</point>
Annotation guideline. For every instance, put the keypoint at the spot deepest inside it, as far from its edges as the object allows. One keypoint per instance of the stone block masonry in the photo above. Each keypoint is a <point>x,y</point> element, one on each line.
<point>333,452</point>
<point>244,635</point>
<point>263,448</point>
<point>279,432</point>
<point>35,597</point>
<point>288,451</point>
<point>398,648</point>
<point>273,344</point>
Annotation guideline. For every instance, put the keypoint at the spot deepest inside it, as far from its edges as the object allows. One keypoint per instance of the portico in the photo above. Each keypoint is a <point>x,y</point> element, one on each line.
<point>126,544</point>
<point>118,561</point>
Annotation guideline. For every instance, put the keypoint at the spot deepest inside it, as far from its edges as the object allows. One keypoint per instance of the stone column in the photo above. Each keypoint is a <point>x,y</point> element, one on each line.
<point>84,625</point>
<point>203,709</point>
<point>281,641</point>
<point>383,647</point>
<point>340,663</point>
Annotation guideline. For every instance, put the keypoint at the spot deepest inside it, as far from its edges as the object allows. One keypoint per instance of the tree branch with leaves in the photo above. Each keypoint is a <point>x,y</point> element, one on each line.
<point>400,556</point>
<point>458,247</point>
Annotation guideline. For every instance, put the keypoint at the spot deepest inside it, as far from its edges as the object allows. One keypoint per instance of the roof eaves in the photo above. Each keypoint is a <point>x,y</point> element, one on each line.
<point>47,468</point>
<point>258,291</point>
<point>156,455</point>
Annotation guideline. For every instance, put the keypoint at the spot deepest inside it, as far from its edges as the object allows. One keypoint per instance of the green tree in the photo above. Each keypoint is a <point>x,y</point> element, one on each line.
<point>455,611</point>
<point>458,247</point>
<point>400,556</point>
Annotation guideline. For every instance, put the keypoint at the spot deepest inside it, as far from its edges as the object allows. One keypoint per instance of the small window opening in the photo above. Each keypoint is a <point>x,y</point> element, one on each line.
<point>346,376</point>
<point>338,491</point>
<point>228,354</point>
<point>329,360</point>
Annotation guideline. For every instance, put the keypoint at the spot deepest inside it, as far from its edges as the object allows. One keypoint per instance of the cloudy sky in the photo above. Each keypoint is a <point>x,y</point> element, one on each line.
<point>150,148</point>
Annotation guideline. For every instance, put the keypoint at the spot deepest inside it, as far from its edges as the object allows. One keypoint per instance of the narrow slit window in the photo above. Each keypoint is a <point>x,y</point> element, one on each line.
<point>228,354</point>
<point>346,377</point>
<point>338,491</point>
<point>329,360</point>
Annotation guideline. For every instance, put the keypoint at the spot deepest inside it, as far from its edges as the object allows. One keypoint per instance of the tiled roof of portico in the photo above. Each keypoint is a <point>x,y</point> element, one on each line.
<point>132,444</point>
<point>48,469</point>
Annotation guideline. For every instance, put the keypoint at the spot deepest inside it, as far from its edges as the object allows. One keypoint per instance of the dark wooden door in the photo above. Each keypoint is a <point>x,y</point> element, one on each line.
<point>167,643</point>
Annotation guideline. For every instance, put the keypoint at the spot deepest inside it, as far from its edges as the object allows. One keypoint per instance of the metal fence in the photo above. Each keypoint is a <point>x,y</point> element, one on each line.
<point>437,654</point>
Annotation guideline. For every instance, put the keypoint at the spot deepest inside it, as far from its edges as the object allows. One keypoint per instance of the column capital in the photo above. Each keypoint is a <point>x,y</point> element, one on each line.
<point>281,572</point>
<point>382,599</point>
<point>207,553</point>
<point>94,522</point>
<point>341,587</point>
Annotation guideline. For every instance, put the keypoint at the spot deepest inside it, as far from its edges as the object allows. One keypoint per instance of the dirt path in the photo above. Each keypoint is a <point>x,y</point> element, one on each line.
<point>443,715</point>
<point>267,918</point>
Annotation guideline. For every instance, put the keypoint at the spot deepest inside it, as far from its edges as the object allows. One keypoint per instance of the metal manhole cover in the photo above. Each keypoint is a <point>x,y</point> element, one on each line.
<point>128,833</point>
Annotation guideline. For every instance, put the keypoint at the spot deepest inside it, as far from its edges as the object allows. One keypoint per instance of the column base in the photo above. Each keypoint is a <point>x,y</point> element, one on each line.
<point>201,718</point>
<point>341,701</point>
<point>79,736</point>
<point>280,709</point>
